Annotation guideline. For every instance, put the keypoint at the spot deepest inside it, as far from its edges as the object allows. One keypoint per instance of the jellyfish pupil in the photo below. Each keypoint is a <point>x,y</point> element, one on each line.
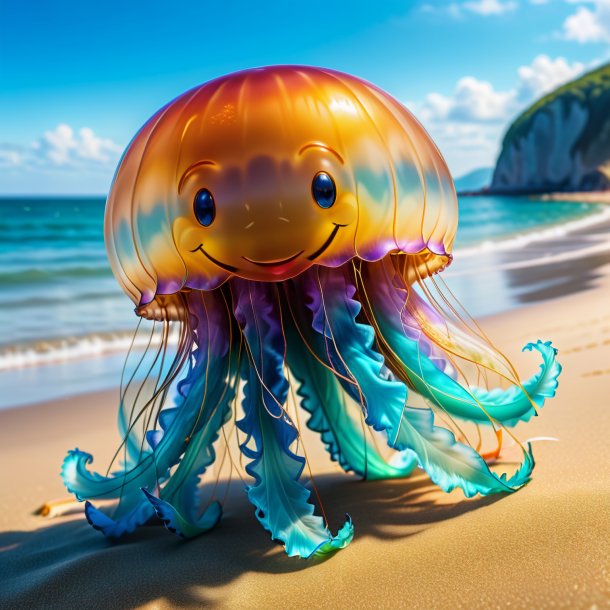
<point>323,190</point>
<point>205,208</point>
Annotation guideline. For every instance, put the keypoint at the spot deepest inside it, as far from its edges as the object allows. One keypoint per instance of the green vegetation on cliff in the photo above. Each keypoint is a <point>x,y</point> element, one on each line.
<point>561,142</point>
<point>591,90</point>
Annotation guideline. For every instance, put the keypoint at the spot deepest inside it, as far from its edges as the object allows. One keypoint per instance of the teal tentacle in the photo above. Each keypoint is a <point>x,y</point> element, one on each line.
<point>400,330</point>
<point>321,395</point>
<point>449,463</point>
<point>515,404</point>
<point>280,499</point>
<point>350,348</point>
<point>178,425</point>
<point>178,502</point>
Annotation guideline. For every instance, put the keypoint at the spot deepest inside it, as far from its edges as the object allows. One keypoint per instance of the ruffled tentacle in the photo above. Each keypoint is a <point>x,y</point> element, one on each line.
<point>178,504</point>
<point>280,499</point>
<point>449,463</point>
<point>199,396</point>
<point>341,430</point>
<point>387,294</point>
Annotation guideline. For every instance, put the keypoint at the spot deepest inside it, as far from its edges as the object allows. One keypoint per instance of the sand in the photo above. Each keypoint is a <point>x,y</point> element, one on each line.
<point>547,546</point>
<point>577,196</point>
<point>587,196</point>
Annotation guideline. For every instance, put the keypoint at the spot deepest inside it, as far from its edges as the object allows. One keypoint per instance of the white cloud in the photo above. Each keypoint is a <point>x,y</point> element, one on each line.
<point>472,100</point>
<point>545,74</point>
<point>589,23</point>
<point>63,147</point>
<point>62,160</point>
<point>490,7</point>
<point>468,124</point>
<point>484,8</point>
<point>475,100</point>
<point>10,156</point>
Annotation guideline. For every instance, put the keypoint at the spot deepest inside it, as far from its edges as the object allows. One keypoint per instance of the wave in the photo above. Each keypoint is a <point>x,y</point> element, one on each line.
<point>56,225</point>
<point>50,301</point>
<point>33,275</point>
<point>35,239</point>
<point>71,348</point>
<point>548,233</point>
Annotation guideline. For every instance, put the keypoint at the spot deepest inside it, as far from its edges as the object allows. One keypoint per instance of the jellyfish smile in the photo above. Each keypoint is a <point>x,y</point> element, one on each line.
<point>275,264</point>
<point>327,243</point>
<point>229,268</point>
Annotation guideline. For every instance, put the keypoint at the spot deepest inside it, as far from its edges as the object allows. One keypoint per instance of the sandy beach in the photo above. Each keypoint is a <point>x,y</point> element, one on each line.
<point>546,546</point>
<point>576,196</point>
<point>589,197</point>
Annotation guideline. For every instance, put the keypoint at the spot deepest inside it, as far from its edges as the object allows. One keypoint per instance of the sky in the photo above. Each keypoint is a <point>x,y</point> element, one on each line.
<point>78,79</point>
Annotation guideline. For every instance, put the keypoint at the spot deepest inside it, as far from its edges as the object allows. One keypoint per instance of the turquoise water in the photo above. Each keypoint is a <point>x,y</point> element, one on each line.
<point>490,218</point>
<point>55,280</point>
<point>59,299</point>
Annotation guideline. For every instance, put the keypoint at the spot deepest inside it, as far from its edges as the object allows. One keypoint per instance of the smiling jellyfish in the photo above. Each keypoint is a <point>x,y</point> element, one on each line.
<point>285,228</point>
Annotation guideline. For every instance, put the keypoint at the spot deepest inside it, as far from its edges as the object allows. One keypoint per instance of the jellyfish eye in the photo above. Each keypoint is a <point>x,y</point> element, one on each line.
<point>323,190</point>
<point>204,207</point>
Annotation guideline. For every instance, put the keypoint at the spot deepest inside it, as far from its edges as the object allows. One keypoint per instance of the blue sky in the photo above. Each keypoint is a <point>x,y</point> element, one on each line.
<point>77,79</point>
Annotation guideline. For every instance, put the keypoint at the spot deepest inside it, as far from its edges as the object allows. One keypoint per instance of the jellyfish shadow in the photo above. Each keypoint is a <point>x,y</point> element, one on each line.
<point>68,564</point>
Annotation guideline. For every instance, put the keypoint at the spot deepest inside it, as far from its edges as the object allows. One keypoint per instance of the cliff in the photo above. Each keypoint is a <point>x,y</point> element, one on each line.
<point>560,143</point>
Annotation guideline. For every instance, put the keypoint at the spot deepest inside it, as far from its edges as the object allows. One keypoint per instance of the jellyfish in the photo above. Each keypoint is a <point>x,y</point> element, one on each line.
<point>285,227</point>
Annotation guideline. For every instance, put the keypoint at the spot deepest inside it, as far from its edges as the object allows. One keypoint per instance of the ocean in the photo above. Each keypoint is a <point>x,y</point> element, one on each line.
<point>66,325</point>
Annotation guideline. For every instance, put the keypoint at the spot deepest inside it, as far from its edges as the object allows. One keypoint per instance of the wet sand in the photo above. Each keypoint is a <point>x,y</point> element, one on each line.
<point>587,196</point>
<point>546,546</point>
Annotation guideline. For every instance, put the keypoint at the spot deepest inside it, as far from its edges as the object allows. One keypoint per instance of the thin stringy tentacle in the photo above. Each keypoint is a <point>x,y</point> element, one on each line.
<point>198,409</point>
<point>386,294</point>
<point>280,499</point>
<point>445,322</point>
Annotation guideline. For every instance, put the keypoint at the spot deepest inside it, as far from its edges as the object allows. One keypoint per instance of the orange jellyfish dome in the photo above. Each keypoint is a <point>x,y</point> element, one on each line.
<point>265,172</point>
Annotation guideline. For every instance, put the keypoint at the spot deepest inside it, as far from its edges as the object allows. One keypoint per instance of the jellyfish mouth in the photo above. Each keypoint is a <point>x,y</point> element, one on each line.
<point>275,263</point>
<point>311,257</point>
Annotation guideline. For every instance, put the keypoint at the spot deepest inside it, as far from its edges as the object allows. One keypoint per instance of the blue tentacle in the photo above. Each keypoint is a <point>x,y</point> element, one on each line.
<point>180,424</point>
<point>449,463</point>
<point>178,502</point>
<point>280,499</point>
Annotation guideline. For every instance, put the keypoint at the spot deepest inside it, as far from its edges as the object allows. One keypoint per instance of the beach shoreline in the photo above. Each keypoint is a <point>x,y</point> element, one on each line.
<point>585,197</point>
<point>431,549</point>
<point>602,197</point>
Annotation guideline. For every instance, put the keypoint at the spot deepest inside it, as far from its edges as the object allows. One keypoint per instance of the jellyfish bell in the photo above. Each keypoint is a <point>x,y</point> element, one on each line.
<point>288,221</point>
<point>266,172</point>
